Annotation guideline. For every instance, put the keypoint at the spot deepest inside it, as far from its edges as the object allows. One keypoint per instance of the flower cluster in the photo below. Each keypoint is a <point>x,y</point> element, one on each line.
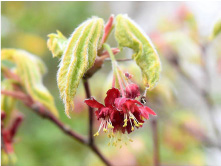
<point>122,113</point>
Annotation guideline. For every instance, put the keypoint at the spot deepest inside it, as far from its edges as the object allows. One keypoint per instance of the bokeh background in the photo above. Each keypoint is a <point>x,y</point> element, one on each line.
<point>187,98</point>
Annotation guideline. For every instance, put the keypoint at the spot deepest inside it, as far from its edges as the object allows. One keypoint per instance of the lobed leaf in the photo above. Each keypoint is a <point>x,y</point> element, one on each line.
<point>128,34</point>
<point>57,44</point>
<point>30,69</point>
<point>79,56</point>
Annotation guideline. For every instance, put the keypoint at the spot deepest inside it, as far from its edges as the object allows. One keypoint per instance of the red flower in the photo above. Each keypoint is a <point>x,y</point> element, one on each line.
<point>105,112</point>
<point>120,113</point>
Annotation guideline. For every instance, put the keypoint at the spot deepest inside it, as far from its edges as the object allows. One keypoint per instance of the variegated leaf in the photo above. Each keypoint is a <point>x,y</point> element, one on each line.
<point>78,57</point>
<point>128,34</point>
<point>30,69</point>
<point>57,44</point>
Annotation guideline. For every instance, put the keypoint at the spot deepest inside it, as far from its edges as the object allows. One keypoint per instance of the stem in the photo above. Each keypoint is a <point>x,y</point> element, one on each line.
<point>107,47</point>
<point>114,66</point>
<point>90,132</point>
<point>156,155</point>
<point>90,112</point>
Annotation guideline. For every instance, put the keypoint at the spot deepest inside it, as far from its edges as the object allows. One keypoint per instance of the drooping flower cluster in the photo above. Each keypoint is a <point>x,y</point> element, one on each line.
<point>121,113</point>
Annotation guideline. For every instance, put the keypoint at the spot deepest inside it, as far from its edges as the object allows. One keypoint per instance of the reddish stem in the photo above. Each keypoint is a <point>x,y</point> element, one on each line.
<point>17,95</point>
<point>114,79</point>
<point>41,111</point>
<point>91,118</point>
<point>90,112</point>
<point>9,74</point>
<point>106,54</point>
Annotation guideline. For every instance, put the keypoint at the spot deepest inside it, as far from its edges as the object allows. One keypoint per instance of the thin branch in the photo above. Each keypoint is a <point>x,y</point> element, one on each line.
<point>17,95</point>
<point>90,112</point>
<point>156,155</point>
<point>41,111</point>
<point>90,131</point>
<point>45,114</point>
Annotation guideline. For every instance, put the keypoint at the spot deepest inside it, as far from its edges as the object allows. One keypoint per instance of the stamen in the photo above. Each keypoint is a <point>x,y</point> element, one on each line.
<point>140,124</point>
<point>136,122</point>
<point>110,124</point>
<point>132,128</point>
<point>101,125</point>
<point>96,134</point>
<point>105,130</point>
<point>125,120</point>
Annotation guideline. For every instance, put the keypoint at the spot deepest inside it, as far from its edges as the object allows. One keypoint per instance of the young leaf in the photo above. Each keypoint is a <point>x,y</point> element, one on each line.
<point>57,44</point>
<point>30,69</point>
<point>78,57</point>
<point>128,34</point>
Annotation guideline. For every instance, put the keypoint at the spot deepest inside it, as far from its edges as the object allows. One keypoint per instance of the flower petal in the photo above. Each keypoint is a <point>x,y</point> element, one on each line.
<point>119,102</point>
<point>93,103</point>
<point>104,112</point>
<point>112,94</point>
<point>132,91</point>
<point>144,113</point>
<point>150,111</point>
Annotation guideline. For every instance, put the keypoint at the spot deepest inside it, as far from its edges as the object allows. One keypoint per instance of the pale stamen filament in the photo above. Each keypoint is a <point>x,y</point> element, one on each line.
<point>122,73</point>
<point>132,127</point>
<point>101,125</point>
<point>125,120</point>
<point>136,122</point>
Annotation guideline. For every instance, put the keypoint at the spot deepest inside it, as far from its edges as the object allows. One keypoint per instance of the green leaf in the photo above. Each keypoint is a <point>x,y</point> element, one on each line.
<point>57,44</point>
<point>216,29</point>
<point>128,34</point>
<point>78,57</point>
<point>30,69</point>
